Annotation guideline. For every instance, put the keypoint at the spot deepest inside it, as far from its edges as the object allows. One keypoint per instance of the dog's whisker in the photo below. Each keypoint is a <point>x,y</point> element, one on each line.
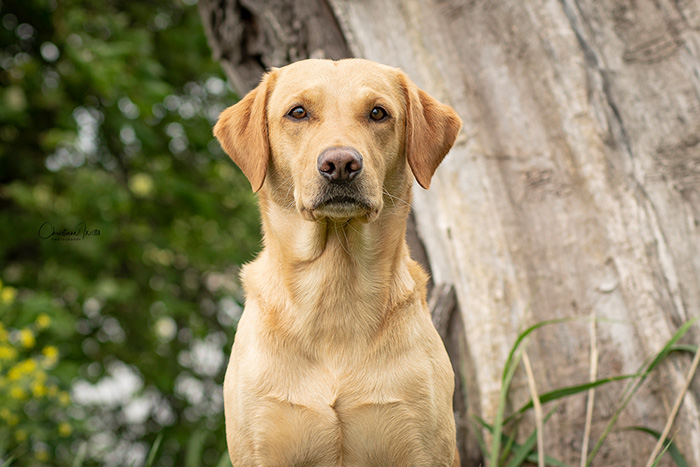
<point>347,242</point>
<point>339,240</point>
<point>290,180</point>
<point>396,198</point>
<point>353,229</point>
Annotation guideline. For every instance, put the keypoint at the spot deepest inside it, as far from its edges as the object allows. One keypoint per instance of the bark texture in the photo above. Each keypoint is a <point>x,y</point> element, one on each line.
<point>250,36</point>
<point>573,189</point>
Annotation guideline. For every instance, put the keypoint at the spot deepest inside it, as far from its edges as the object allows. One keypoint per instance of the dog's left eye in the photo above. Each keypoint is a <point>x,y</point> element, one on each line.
<point>297,113</point>
<point>377,114</point>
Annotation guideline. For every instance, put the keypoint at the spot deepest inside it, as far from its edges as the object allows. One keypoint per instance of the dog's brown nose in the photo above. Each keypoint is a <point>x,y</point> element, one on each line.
<point>339,164</point>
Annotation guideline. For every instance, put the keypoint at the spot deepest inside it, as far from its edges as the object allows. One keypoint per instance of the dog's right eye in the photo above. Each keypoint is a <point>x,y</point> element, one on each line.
<point>297,113</point>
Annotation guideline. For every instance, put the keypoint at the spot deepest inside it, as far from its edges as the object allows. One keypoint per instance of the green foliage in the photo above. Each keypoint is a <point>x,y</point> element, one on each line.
<point>122,223</point>
<point>504,448</point>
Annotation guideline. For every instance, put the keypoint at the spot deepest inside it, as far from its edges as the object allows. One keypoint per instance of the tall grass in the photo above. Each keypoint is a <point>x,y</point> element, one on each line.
<point>505,451</point>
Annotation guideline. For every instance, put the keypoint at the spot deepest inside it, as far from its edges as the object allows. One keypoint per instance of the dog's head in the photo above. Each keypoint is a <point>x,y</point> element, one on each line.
<point>333,139</point>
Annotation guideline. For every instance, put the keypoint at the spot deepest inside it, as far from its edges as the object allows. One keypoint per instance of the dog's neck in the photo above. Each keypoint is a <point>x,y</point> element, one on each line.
<point>332,280</point>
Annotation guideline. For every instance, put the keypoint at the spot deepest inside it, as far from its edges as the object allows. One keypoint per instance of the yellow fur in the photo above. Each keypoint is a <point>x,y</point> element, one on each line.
<point>336,361</point>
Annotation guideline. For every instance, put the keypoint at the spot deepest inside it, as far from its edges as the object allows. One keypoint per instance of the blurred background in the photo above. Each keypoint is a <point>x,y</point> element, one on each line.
<point>122,227</point>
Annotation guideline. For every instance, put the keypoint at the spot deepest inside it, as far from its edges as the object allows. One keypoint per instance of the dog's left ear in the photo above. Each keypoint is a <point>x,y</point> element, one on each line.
<point>242,132</point>
<point>431,129</point>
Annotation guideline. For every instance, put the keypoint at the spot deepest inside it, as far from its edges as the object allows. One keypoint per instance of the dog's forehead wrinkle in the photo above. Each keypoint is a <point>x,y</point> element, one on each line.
<point>297,79</point>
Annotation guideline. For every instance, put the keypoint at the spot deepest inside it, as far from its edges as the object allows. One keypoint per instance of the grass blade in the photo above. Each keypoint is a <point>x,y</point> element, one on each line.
<point>225,461</point>
<point>634,386</point>
<point>195,446</point>
<point>538,409</point>
<point>676,407</point>
<point>511,366</point>
<point>154,449</point>
<point>670,344</point>
<point>479,437</point>
<point>80,455</point>
<point>531,457</point>
<point>592,376</point>
<point>684,348</point>
<point>673,450</point>
<point>568,391</point>
<point>510,442</point>
<point>658,459</point>
<point>521,453</point>
<point>508,372</point>
<point>527,332</point>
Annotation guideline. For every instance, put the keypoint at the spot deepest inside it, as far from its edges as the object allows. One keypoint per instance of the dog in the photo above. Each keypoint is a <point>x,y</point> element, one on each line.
<point>336,361</point>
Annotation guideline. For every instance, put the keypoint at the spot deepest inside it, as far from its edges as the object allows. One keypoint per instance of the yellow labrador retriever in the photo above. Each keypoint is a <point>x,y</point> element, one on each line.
<point>336,361</point>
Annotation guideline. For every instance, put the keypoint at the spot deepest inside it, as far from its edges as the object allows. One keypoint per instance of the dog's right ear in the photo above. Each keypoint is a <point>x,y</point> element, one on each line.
<point>431,129</point>
<point>242,132</point>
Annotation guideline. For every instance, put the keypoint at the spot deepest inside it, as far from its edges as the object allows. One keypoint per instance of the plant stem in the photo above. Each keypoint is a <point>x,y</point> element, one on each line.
<point>676,407</point>
<point>591,392</point>
<point>538,409</point>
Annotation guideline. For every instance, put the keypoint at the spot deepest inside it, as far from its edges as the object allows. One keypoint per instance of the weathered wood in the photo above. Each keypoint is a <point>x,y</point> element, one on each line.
<point>250,36</point>
<point>573,190</point>
<point>442,304</point>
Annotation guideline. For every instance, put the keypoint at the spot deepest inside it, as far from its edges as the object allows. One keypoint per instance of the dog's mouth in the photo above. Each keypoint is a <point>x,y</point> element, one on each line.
<point>344,200</point>
<point>341,207</point>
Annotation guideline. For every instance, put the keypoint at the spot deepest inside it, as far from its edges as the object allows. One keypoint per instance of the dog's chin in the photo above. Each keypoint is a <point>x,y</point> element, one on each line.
<point>341,209</point>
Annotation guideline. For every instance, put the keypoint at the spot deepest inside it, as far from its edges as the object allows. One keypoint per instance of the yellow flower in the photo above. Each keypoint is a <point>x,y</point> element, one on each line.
<point>15,373</point>
<point>18,393</point>
<point>27,365</point>
<point>141,185</point>
<point>51,354</point>
<point>7,352</point>
<point>43,321</point>
<point>8,295</point>
<point>64,398</point>
<point>12,420</point>
<point>21,435</point>
<point>52,390</point>
<point>42,455</point>
<point>38,390</point>
<point>26,336</point>
<point>64,429</point>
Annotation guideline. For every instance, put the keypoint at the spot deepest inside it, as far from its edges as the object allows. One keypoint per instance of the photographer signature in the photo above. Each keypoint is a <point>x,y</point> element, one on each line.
<point>80,232</point>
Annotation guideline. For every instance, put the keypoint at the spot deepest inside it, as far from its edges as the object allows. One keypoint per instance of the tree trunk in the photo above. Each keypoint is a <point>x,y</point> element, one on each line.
<point>573,189</point>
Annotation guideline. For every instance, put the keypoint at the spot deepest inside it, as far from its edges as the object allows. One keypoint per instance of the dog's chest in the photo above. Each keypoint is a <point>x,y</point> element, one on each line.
<point>350,420</point>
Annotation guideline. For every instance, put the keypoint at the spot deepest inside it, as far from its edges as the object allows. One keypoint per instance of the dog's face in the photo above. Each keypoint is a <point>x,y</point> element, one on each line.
<point>333,139</point>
